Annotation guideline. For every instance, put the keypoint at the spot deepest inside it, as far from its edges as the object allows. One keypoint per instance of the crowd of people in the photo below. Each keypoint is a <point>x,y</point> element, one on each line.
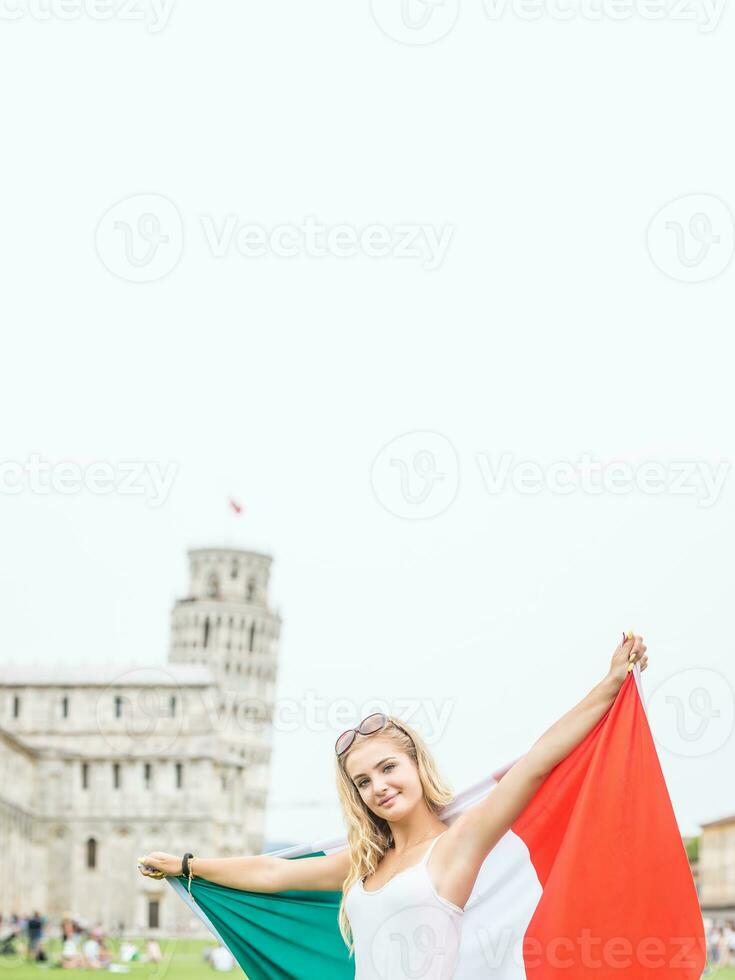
<point>83,950</point>
<point>87,947</point>
<point>720,943</point>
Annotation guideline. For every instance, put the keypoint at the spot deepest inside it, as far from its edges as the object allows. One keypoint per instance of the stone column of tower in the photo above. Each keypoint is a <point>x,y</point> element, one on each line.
<point>225,623</point>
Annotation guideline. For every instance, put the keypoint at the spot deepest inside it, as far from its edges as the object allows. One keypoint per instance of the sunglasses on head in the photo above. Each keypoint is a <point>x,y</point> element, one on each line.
<point>368,726</point>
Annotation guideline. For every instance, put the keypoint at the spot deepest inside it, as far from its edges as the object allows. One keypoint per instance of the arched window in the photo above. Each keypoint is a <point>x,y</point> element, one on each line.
<point>179,775</point>
<point>251,638</point>
<point>250,595</point>
<point>16,706</point>
<point>85,775</point>
<point>118,706</point>
<point>234,568</point>
<point>212,585</point>
<point>116,775</point>
<point>65,707</point>
<point>172,705</point>
<point>206,631</point>
<point>91,853</point>
<point>147,774</point>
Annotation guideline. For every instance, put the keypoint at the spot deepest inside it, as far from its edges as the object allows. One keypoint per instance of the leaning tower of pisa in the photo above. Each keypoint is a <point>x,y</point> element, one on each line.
<point>101,763</point>
<point>225,623</point>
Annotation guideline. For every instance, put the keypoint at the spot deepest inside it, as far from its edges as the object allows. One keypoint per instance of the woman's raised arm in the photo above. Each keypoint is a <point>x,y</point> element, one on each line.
<point>476,831</point>
<point>259,872</point>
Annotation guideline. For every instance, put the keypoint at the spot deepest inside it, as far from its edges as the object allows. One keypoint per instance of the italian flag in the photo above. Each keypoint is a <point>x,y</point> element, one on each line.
<point>591,882</point>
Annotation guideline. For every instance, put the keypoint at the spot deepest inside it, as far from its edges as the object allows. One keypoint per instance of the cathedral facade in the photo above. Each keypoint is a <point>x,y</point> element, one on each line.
<point>101,765</point>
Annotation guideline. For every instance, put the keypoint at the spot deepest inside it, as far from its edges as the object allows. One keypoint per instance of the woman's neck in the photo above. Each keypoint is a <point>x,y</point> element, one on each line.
<point>414,830</point>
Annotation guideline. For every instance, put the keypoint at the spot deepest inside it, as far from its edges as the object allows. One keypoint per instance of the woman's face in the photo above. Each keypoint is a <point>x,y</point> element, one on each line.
<point>385,777</point>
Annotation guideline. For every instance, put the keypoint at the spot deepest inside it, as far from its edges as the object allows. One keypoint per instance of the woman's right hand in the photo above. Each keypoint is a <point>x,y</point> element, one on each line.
<point>630,650</point>
<point>158,863</point>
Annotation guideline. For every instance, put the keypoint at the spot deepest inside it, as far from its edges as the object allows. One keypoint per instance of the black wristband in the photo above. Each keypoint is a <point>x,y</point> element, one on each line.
<point>185,864</point>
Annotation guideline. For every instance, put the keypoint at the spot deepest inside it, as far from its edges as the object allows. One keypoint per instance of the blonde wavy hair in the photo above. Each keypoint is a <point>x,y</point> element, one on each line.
<point>368,835</point>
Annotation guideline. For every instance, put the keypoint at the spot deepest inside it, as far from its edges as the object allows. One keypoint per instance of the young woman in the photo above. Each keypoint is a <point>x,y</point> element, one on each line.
<point>404,867</point>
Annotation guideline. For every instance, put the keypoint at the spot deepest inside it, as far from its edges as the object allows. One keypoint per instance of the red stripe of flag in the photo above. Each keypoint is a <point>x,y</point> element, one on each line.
<point>619,900</point>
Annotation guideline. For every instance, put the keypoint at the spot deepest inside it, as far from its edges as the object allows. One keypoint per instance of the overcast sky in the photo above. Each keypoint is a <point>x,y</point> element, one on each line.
<point>356,271</point>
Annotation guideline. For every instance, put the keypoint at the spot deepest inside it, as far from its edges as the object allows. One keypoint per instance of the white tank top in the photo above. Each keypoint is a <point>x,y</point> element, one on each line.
<point>404,930</point>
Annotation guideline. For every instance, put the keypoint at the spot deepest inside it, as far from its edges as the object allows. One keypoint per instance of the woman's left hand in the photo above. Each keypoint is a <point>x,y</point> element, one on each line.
<point>630,650</point>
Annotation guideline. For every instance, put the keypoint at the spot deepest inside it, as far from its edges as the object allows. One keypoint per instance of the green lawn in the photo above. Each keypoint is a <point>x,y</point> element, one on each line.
<point>182,960</point>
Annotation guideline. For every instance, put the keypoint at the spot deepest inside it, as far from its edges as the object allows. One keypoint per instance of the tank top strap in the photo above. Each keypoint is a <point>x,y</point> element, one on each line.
<point>430,848</point>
